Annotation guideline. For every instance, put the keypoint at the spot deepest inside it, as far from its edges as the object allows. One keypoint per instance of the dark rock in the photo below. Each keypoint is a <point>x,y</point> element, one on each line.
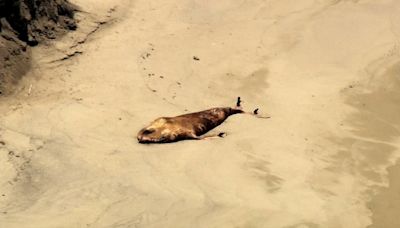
<point>36,20</point>
<point>27,23</point>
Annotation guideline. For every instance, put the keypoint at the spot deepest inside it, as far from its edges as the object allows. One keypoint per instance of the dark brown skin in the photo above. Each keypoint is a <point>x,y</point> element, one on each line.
<point>187,126</point>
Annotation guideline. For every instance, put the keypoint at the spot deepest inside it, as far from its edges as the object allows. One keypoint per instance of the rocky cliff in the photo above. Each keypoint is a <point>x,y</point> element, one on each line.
<point>25,23</point>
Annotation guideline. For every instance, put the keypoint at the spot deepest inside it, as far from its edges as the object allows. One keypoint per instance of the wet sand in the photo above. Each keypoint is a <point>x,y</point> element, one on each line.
<point>385,205</point>
<point>326,71</point>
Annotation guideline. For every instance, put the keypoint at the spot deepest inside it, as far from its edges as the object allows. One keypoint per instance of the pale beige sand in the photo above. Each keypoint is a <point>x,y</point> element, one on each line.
<point>326,71</point>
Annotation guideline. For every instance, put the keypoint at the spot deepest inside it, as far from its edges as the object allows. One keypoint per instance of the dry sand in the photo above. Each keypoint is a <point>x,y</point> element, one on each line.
<point>326,71</point>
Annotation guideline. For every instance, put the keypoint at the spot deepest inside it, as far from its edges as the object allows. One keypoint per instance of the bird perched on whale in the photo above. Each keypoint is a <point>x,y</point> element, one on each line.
<point>189,126</point>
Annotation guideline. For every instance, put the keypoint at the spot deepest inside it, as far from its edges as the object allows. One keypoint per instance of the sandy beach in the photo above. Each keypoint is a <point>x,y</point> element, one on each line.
<point>327,72</point>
